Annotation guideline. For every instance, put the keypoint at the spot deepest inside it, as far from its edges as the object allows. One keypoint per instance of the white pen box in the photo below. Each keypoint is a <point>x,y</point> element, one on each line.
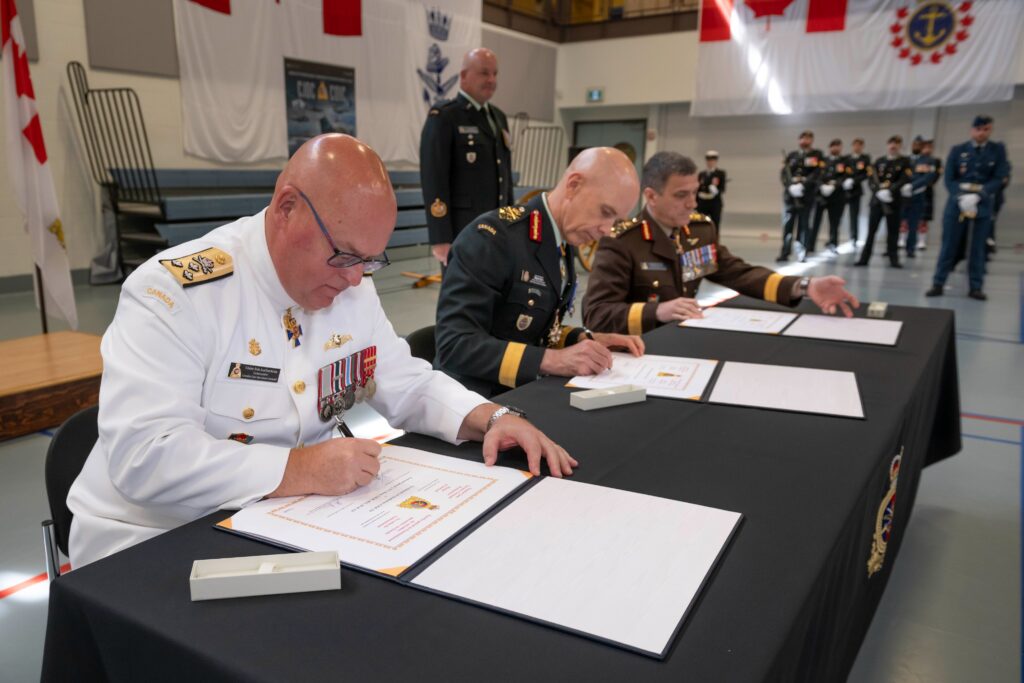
<point>877,309</point>
<point>592,399</point>
<point>237,577</point>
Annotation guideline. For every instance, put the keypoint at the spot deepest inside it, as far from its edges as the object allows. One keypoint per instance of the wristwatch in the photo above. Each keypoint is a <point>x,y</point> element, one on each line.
<point>803,285</point>
<point>501,412</point>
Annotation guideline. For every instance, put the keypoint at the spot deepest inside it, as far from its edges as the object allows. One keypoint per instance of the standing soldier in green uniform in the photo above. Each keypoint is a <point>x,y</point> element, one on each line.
<point>858,162</point>
<point>886,179</point>
<point>799,176</point>
<point>465,154</point>
<point>831,198</point>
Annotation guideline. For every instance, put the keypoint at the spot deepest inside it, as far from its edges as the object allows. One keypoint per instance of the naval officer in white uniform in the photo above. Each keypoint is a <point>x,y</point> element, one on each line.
<point>229,357</point>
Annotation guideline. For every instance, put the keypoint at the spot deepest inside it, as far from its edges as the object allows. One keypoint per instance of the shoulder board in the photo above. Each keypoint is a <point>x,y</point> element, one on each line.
<point>511,214</point>
<point>696,217</point>
<point>203,266</point>
<point>624,226</point>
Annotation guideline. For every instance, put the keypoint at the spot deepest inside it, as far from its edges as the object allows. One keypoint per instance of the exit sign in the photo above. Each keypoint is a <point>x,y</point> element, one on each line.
<point>595,94</point>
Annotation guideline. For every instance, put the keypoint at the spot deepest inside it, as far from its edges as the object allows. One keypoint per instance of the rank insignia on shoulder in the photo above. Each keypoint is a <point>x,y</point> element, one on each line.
<point>204,266</point>
<point>483,227</point>
<point>535,226</point>
<point>696,217</point>
<point>624,226</point>
<point>511,214</point>
<point>438,209</point>
<point>434,111</point>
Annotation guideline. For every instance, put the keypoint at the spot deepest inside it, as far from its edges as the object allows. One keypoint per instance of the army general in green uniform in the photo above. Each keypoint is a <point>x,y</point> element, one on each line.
<point>511,283</point>
<point>648,273</point>
<point>465,154</point>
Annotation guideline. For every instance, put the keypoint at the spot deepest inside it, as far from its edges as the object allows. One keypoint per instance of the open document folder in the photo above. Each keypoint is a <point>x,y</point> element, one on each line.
<point>620,567</point>
<point>664,376</point>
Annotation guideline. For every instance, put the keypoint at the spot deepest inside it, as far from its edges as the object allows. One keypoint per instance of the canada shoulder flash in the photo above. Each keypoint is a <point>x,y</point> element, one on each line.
<point>201,267</point>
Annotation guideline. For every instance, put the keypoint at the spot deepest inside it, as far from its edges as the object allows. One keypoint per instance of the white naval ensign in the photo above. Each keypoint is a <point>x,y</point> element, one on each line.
<point>175,410</point>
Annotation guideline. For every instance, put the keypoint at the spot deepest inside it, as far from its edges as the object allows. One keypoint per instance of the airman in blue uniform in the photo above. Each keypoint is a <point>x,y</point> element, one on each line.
<point>974,174</point>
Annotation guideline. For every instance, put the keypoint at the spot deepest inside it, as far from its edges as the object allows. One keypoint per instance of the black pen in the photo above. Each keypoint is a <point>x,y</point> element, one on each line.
<point>345,431</point>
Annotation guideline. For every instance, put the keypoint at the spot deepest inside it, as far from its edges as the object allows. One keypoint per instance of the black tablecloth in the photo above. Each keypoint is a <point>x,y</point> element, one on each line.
<point>790,600</point>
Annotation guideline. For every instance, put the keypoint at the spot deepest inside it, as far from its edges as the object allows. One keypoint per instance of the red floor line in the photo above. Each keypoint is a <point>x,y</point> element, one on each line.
<point>993,418</point>
<point>28,583</point>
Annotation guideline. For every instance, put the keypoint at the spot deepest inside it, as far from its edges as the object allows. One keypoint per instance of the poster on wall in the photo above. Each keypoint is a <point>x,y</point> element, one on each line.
<point>319,98</point>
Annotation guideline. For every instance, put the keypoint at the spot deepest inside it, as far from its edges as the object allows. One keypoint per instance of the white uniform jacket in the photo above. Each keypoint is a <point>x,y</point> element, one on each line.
<point>176,411</point>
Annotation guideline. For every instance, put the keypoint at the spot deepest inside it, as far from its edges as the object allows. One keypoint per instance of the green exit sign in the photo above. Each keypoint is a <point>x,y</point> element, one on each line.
<point>595,94</point>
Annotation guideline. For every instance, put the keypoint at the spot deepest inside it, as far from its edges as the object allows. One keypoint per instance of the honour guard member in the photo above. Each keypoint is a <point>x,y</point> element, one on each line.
<point>975,171</point>
<point>886,179</point>
<point>928,211</point>
<point>648,272</point>
<point>465,154</point>
<point>511,282</point>
<point>925,171</point>
<point>232,359</point>
<point>859,163</point>
<point>712,187</point>
<point>830,197</point>
<point>800,171</point>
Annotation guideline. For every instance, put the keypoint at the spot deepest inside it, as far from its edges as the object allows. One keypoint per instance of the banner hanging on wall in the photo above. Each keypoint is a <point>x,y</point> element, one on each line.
<point>405,54</point>
<point>798,56</point>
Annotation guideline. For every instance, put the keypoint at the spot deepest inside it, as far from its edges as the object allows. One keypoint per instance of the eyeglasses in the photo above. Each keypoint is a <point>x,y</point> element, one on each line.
<point>344,259</point>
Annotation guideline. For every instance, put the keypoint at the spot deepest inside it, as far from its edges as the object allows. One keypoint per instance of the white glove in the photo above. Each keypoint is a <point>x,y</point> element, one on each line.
<point>713,190</point>
<point>827,190</point>
<point>796,190</point>
<point>907,190</point>
<point>884,195</point>
<point>848,184</point>
<point>968,203</point>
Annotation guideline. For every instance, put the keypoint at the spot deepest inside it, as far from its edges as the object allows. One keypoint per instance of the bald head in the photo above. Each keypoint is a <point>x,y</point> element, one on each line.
<point>479,75</point>
<point>599,187</point>
<point>348,188</point>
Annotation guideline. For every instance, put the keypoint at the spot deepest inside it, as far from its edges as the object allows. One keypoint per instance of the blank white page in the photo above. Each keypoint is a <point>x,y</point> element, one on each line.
<point>621,566</point>
<point>856,330</point>
<point>804,390</point>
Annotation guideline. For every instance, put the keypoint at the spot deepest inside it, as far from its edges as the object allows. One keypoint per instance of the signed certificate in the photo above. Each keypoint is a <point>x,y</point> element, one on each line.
<point>665,376</point>
<point>418,502</point>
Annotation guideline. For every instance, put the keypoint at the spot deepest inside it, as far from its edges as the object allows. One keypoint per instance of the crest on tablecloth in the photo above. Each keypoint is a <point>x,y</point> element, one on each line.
<point>884,519</point>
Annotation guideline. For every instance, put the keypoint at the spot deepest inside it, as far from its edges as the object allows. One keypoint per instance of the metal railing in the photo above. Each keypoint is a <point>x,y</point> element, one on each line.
<point>115,139</point>
<point>539,155</point>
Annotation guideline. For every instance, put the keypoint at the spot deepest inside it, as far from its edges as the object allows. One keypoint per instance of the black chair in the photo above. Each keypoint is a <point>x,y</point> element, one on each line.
<point>69,448</point>
<point>421,344</point>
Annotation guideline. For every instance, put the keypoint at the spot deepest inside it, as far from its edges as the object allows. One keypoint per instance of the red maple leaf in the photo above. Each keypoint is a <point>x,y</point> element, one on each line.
<point>768,8</point>
<point>896,28</point>
<point>936,57</point>
<point>962,36</point>
<point>897,41</point>
<point>967,20</point>
<point>951,49</point>
<point>902,12</point>
<point>905,52</point>
<point>965,6</point>
<point>915,60</point>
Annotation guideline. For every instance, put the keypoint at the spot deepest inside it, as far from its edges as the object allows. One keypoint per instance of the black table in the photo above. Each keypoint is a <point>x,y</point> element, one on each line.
<point>791,599</point>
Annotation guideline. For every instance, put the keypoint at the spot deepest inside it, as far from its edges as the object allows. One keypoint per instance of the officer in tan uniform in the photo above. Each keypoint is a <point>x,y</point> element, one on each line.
<point>647,274</point>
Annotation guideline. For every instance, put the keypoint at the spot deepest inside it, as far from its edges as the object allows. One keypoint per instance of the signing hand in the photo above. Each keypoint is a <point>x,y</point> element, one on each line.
<point>627,342</point>
<point>830,295</point>
<point>586,357</point>
<point>332,468</point>
<point>440,252</point>
<point>510,431</point>
<point>679,308</point>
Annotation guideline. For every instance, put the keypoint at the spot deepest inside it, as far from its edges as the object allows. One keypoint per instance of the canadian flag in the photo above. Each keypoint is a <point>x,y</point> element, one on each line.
<point>796,56</point>
<point>30,173</point>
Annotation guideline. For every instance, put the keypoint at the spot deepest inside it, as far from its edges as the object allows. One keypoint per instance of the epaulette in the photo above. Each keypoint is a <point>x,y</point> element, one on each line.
<point>438,106</point>
<point>624,226</point>
<point>203,266</point>
<point>511,214</point>
<point>696,217</point>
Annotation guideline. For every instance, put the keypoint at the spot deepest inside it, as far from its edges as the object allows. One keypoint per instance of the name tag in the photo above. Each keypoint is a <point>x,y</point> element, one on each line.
<point>469,130</point>
<point>653,265</point>
<point>256,372</point>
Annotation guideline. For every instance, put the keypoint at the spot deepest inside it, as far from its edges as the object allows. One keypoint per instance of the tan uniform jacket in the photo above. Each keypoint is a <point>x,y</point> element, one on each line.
<point>638,268</point>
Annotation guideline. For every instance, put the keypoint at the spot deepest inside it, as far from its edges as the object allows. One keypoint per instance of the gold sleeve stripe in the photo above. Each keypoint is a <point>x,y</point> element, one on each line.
<point>771,287</point>
<point>510,364</point>
<point>566,329</point>
<point>636,319</point>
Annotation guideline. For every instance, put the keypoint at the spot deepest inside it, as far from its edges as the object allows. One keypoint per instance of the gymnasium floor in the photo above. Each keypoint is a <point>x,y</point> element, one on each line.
<point>952,610</point>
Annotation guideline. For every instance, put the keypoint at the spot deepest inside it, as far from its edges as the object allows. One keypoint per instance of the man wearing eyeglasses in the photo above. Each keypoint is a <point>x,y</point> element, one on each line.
<point>232,359</point>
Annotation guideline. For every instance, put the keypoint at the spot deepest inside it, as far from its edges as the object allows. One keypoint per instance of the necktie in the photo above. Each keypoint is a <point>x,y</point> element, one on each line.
<point>490,120</point>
